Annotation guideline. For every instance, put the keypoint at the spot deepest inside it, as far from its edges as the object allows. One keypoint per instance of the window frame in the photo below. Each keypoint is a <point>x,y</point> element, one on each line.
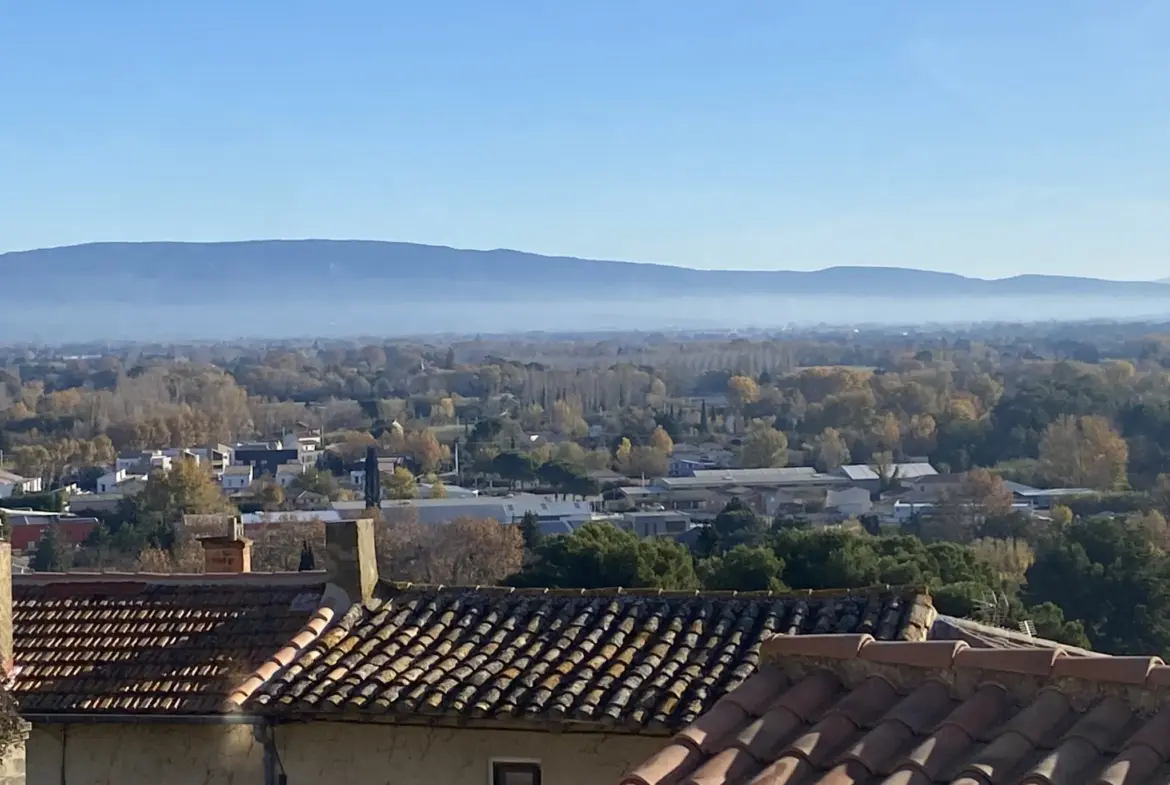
<point>518,765</point>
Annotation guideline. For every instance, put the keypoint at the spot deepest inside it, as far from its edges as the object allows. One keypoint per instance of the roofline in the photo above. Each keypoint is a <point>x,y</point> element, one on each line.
<point>1021,671</point>
<point>307,578</point>
<point>908,590</point>
<point>331,610</point>
<point>130,717</point>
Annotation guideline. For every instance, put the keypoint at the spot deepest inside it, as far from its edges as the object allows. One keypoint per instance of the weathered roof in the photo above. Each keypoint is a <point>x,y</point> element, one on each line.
<point>643,660</point>
<point>141,643</point>
<point>505,509</point>
<point>848,709</point>
<point>711,478</point>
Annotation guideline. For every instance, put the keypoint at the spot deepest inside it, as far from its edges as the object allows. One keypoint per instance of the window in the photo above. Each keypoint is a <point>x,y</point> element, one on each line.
<point>515,772</point>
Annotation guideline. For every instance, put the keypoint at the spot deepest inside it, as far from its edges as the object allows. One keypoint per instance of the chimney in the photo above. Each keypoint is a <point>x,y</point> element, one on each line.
<point>350,559</point>
<point>232,553</point>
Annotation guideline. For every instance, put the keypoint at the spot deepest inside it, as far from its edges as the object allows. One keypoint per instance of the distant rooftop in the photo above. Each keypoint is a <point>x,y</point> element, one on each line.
<point>904,471</point>
<point>794,475</point>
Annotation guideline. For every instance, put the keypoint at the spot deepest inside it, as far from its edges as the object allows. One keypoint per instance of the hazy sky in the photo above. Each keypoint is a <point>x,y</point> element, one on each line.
<point>987,137</point>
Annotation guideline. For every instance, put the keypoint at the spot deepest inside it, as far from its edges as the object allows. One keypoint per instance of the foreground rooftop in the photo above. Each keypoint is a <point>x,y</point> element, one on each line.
<point>850,710</point>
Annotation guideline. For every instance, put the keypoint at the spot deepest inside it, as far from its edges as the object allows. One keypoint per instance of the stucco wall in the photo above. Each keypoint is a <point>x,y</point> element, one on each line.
<point>116,754</point>
<point>328,753</point>
<point>319,754</point>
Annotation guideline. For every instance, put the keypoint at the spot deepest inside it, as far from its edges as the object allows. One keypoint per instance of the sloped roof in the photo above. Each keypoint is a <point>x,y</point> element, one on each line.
<point>639,660</point>
<point>141,643</point>
<point>905,471</point>
<point>848,709</point>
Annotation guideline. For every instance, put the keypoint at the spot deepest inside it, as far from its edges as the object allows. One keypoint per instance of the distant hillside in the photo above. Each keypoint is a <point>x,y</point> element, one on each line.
<point>324,288</point>
<point>191,272</point>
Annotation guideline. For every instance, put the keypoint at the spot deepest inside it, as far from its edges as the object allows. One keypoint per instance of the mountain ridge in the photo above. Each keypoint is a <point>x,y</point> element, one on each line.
<point>154,267</point>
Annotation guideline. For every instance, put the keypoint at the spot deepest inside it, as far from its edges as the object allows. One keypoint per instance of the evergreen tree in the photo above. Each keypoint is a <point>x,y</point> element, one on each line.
<point>530,528</point>
<point>52,553</point>
<point>308,561</point>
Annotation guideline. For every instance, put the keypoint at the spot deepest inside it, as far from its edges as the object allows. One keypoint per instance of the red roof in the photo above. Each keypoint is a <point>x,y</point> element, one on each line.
<point>846,709</point>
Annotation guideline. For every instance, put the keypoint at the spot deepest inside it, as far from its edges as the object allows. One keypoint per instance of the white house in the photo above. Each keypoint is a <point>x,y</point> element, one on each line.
<point>11,483</point>
<point>851,502</point>
<point>106,483</point>
<point>237,478</point>
<point>287,472</point>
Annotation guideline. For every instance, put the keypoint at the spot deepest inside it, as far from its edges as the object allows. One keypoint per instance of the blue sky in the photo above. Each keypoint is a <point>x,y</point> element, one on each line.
<point>987,137</point>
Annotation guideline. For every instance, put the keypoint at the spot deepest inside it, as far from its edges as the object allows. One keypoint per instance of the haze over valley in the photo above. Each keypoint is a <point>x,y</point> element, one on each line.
<point>281,289</point>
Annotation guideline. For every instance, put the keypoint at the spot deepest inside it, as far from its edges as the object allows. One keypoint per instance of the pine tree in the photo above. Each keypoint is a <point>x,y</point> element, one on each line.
<point>530,528</point>
<point>308,561</point>
<point>51,554</point>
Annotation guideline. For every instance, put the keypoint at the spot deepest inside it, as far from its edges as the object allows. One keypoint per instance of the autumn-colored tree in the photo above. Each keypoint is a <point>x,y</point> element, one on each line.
<point>1083,452</point>
<point>987,491</point>
<point>443,411</point>
<point>269,493</point>
<point>399,484</point>
<point>185,556</point>
<point>644,462</point>
<point>886,432</point>
<point>1060,515</point>
<point>425,449</point>
<point>920,436</point>
<point>475,552</point>
<point>962,409</point>
<point>1119,372</point>
<point>765,447</point>
<point>351,446</point>
<point>277,546</point>
<point>957,515</point>
<point>622,453</point>
<point>1156,526</point>
<point>830,450</point>
<point>567,420</point>
<point>31,460</point>
<point>742,391</point>
<point>187,489</point>
<point>1010,559</point>
<point>661,441</point>
<point>464,552</point>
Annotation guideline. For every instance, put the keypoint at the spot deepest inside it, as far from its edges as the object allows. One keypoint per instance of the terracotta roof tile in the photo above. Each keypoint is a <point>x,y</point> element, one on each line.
<point>149,643</point>
<point>931,712</point>
<point>642,660</point>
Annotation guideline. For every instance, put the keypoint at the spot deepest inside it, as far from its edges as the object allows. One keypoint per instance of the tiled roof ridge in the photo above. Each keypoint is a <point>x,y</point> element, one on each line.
<point>848,708</point>
<point>332,608</point>
<point>857,656</point>
<point>904,590</point>
<point>170,578</point>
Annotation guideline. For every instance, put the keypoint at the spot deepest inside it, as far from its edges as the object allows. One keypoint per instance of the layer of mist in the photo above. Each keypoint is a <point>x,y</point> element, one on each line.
<point>55,322</point>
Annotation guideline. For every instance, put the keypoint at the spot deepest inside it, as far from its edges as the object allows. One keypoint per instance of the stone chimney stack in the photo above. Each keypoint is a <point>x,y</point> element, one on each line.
<point>230,554</point>
<point>349,557</point>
